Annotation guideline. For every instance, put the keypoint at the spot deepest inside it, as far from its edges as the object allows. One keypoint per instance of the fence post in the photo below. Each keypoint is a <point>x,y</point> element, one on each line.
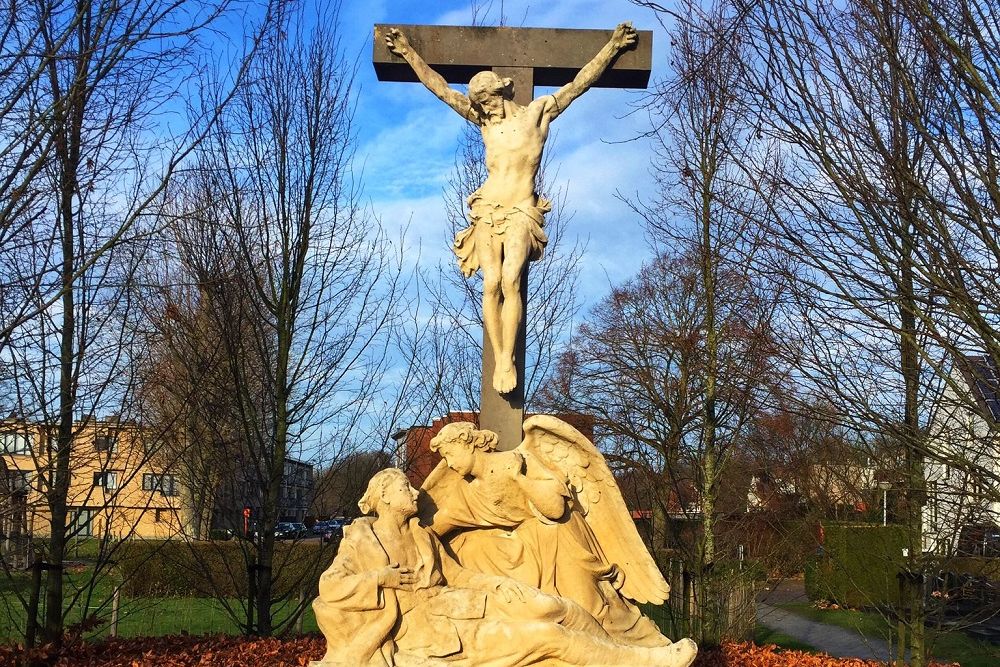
<point>115,600</point>
<point>901,623</point>
<point>36,587</point>
<point>251,592</point>
<point>688,597</point>
<point>302,612</point>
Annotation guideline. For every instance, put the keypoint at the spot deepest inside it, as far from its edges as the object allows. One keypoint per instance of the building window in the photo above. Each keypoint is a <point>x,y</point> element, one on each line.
<point>106,443</point>
<point>12,442</point>
<point>16,482</point>
<point>932,500</point>
<point>107,480</point>
<point>80,522</point>
<point>159,516</point>
<point>165,484</point>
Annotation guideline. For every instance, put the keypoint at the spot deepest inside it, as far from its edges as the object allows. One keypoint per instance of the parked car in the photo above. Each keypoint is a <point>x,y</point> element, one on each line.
<point>288,530</point>
<point>321,527</point>
<point>334,529</point>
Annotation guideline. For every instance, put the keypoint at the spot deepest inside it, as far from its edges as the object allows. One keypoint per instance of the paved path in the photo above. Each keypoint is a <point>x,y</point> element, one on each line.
<point>838,642</point>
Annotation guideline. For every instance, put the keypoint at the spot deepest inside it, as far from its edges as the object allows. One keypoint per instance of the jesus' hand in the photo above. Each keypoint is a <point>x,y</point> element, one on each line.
<point>394,576</point>
<point>624,36</point>
<point>397,42</point>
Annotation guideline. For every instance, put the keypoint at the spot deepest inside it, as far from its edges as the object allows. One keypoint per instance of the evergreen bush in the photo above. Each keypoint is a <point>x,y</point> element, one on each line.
<point>856,566</point>
<point>177,568</point>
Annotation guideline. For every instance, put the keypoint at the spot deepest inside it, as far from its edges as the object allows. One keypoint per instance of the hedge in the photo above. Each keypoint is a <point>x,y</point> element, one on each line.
<point>856,565</point>
<point>977,566</point>
<point>175,568</point>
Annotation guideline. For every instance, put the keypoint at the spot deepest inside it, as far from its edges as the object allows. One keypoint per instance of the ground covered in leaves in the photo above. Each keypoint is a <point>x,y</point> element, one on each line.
<point>228,651</point>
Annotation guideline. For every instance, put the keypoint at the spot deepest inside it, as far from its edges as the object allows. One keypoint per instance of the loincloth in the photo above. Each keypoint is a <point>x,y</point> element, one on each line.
<point>498,220</point>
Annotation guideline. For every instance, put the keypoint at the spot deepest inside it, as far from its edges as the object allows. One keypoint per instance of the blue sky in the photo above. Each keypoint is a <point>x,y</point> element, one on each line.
<point>407,138</point>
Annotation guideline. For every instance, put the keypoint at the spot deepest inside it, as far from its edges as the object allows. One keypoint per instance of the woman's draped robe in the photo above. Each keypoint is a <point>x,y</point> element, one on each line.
<point>521,522</point>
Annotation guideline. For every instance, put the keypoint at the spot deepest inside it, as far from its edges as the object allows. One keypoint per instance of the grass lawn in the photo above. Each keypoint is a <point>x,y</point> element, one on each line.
<point>151,617</point>
<point>945,646</point>
<point>138,617</point>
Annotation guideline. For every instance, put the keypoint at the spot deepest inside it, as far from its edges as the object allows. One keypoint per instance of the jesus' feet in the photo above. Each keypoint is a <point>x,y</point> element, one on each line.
<point>505,378</point>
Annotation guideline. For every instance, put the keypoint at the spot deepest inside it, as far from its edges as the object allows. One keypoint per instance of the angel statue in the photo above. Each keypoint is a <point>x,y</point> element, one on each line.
<point>548,514</point>
<point>394,597</point>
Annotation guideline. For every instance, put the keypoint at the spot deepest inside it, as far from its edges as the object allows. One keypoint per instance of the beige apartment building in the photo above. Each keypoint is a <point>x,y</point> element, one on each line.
<point>117,488</point>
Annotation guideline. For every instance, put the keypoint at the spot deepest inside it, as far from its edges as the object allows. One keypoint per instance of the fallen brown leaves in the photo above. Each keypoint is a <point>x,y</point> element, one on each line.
<point>179,651</point>
<point>751,655</point>
<point>227,651</point>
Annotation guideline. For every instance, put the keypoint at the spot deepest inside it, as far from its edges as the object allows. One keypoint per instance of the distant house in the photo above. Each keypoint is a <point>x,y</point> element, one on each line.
<point>836,488</point>
<point>771,493</point>
<point>116,488</point>
<point>962,512</point>
<point>119,486</point>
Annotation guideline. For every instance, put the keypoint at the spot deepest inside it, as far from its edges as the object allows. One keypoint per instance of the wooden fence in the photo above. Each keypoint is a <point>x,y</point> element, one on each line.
<point>711,609</point>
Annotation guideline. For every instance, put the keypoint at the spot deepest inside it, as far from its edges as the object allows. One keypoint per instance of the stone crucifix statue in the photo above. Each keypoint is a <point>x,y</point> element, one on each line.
<point>506,214</point>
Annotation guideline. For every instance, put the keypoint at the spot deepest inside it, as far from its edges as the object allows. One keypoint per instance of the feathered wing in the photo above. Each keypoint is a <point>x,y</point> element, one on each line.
<point>568,453</point>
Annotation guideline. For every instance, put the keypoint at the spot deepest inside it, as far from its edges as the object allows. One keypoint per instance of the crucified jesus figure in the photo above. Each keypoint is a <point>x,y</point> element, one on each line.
<point>506,214</point>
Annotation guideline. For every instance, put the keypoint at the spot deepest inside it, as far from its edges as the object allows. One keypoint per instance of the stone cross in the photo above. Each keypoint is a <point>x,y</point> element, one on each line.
<point>530,57</point>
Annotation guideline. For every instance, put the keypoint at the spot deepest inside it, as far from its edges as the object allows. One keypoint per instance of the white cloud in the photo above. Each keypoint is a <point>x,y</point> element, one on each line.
<point>414,158</point>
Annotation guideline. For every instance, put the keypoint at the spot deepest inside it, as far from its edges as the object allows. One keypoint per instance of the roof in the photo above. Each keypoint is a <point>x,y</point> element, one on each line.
<point>983,378</point>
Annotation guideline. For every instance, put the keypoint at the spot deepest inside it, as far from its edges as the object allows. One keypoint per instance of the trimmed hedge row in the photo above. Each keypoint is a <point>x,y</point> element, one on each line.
<point>857,565</point>
<point>176,568</point>
<point>977,566</point>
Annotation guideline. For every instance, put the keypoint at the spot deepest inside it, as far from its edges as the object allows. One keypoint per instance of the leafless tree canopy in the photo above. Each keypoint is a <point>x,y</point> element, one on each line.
<point>87,146</point>
<point>874,126</point>
<point>288,288</point>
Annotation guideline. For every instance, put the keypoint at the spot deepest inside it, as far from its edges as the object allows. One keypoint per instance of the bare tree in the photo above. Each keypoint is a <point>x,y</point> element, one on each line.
<point>678,361</point>
<point>640,365</point>
<point>877,123</point>
<point>835,135</point>
<point>314,286</point>
<point>86,81</point>
<point>187,392</point>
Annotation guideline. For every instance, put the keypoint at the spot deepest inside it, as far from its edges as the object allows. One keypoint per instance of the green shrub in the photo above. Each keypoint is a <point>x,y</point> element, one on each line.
<point>169,568</point>
<point>977,566</point>
<point>857,565</point>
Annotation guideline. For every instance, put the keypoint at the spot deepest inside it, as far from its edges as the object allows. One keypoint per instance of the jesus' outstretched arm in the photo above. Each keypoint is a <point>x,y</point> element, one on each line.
<point>400,45</point>
<point>624,37</point>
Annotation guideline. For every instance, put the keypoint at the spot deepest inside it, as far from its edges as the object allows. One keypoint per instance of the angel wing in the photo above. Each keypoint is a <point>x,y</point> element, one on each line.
<point>569,454</point>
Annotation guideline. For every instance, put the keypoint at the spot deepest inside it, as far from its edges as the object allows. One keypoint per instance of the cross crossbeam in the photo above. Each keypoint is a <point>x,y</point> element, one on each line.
<point>554,55</point>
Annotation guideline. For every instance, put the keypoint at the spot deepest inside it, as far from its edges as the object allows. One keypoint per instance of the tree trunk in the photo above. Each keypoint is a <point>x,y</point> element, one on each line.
<point>68,156</point>
<point>276,468</point>
<point>914,457</point>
